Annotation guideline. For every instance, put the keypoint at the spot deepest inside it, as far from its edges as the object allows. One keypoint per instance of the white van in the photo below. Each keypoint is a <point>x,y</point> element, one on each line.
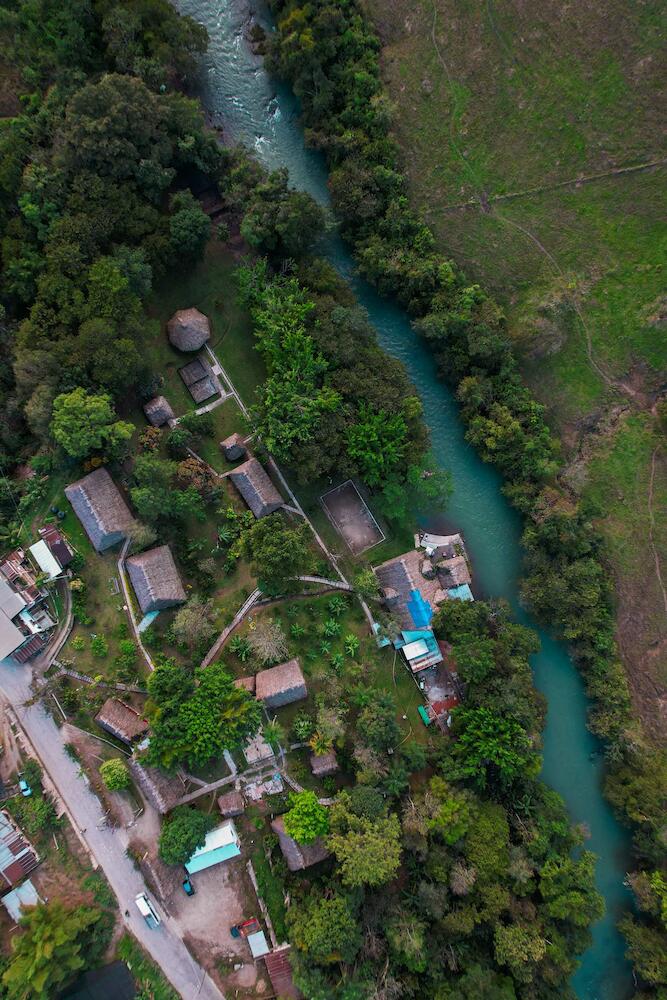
<point>147,910</point>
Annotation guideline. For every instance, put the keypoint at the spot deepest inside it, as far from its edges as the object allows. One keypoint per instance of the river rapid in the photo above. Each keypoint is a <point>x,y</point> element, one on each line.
<point>250,107</point>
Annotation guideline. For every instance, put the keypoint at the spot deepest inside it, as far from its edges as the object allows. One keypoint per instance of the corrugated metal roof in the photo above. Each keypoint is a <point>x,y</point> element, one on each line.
<point>45,559</point>
<point>220,845</point>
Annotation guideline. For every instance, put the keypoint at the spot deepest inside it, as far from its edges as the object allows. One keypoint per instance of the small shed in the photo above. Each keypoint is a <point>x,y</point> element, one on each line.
<point>256,488</point>
<point>155,579</point>
<point>45,559</point>
<point>98,504</point>
<point>23,895</point>
<point>298,856</point>
<point>323,764</point>
<point>158,411</point>
<point>188,329</point>
<point>233,448</point>
<point>121,720</point>
<point>231,803</point>
<point>221,844</point>
<point>57,544</point>
<point>258,944</point>
<point>281,685</point>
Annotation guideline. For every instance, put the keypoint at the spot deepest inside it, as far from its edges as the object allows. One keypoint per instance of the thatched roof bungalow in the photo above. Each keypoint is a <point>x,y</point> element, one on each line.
<point>158,411</point>
<point>233,448</point>
<point>121,720</point>
<point>163,791</point>
<point>280,685</point>
<point>98,504</point>
<point>155,579</point>
<point>323,764</point>
<point>188,329</point>
<point>256,488</point>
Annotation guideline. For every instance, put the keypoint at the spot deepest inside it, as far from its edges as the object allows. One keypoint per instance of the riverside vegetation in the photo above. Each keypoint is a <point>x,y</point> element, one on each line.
<point>455,870</point>
<point>329,54</point>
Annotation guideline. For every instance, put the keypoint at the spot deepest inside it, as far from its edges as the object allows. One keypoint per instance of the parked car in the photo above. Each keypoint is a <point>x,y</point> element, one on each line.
<point>188,887</point>
<point>25,788</point>
<point>147,910</point>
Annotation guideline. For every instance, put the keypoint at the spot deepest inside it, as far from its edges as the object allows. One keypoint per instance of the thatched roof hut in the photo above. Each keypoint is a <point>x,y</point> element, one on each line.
<point>323,764</point>
<point>231,804</point>
<point>454,572</point>
<point>256,488</point>
<point>101,509</point>
<point>155,579</point>
<point>121,720</point>
<point>162,790</point>
<point>280,685</point>
<point>158,411</point>
<point>298,856</point>
<point>188,329</point>
<point>233,448</point>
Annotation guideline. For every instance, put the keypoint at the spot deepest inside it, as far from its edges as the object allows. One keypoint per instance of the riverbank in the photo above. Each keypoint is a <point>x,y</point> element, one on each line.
<point>266,118</point>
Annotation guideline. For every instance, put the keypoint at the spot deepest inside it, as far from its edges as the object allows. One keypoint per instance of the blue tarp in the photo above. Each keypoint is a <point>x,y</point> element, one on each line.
<point>462,593</point>
<point>147,620</point>
<point>420,610</point>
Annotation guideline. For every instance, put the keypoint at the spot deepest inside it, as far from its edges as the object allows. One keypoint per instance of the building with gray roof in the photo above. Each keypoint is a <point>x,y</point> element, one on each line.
<point>98,504</point>
<point>158,411</point>
<point>256,488</point>
<point>281,685</point>
<point>155,579</point>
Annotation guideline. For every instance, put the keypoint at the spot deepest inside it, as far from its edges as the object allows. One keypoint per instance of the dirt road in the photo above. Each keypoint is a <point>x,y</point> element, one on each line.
<point>107,846</point>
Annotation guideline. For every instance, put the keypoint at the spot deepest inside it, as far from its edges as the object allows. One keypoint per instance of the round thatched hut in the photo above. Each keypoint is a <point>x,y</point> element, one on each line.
<point>188,329</point>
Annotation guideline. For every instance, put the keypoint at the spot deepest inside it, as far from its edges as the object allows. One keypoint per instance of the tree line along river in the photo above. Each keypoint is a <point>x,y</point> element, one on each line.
<point>252,108</point>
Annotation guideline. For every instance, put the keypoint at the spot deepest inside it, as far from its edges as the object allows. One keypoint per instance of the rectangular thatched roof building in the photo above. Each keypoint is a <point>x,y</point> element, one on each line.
<point>280,685</point>
<point>121,720</point>
<point>162,790</point>
<point>298,856</point>
<point>256,488</point>
<point>155,579</point>
<point>101,509</point>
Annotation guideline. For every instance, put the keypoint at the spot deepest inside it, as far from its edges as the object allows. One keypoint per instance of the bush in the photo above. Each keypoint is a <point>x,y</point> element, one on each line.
<point>183,833</point>
<point>99,646</point>
<point>115,774</point>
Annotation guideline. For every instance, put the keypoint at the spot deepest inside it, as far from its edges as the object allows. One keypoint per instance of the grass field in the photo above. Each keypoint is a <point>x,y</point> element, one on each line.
<point>210,286</point>
<point>530,101</point>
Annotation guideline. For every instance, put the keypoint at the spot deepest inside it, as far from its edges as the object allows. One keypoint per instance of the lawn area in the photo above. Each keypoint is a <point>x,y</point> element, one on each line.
<point>322,658</point>
<point>210,287</point>
<point>227,419</point>
<point>618,485</point>
<point>102,602</point>
<point>479,114</point>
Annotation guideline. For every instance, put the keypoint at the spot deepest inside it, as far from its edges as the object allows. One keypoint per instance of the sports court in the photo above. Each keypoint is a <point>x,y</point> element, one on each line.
<point>351,517</point>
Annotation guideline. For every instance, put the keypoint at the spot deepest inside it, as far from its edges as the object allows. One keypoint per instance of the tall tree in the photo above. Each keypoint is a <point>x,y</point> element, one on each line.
<point>83,424</point>
<point>53,946</point>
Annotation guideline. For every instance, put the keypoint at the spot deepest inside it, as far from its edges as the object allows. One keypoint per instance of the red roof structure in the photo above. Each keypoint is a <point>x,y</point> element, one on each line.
<point>280,973</point>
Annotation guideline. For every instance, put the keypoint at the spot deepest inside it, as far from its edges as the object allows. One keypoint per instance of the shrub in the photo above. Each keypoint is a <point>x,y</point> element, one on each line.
<point>115,774</point>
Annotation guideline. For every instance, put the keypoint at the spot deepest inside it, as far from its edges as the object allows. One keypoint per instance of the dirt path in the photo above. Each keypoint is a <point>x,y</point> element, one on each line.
<point>651,531</point>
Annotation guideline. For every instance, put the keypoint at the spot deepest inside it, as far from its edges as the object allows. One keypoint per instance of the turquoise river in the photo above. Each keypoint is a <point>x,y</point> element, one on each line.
<point>240,97</point>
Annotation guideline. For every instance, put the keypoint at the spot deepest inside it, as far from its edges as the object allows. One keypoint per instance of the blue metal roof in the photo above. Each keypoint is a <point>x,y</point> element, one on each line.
<point>420,610</point>
<point>462,593</point>
<point>198,864</point>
